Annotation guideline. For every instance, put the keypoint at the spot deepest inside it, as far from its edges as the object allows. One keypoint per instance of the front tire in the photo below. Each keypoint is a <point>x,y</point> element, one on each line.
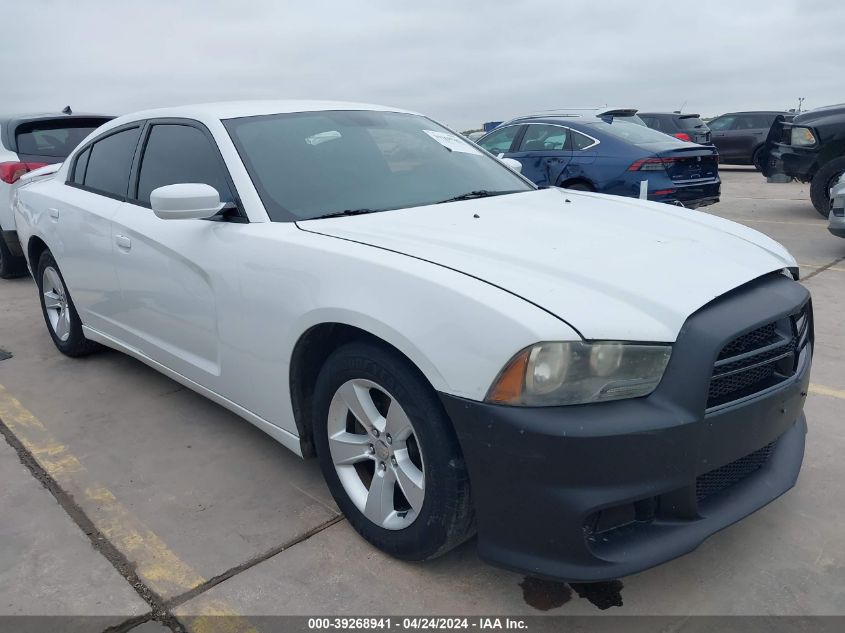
<point>389,453</point>
<point>757,157</point>
<point>824,179</point>
<point>60,314</point>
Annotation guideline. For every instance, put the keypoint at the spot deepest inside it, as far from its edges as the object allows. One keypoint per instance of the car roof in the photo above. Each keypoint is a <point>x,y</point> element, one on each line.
<point>686,115</point>
<point>757,112</point>
<point>224,110</point>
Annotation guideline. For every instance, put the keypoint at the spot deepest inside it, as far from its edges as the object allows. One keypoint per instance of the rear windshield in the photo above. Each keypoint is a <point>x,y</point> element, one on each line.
<point>633,132</point>
<point>690,122</point>
<point>54,138</point>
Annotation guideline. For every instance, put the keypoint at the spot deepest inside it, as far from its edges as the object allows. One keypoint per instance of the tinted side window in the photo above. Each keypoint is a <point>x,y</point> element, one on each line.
<point>764,120</point>
<point>745,122</point>
<point>722,123</point>
<point>543,138</point>
<point>177,154</point>
<point>499,141</point>
<point>109,162</point>
<point>79,168</point>
<point>580,141</point>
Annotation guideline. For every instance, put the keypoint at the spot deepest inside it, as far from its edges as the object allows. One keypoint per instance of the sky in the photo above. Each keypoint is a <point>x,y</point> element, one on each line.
<point>460,62</point>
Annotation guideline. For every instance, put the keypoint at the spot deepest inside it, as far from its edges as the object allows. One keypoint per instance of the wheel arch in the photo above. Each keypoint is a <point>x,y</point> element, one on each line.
<point>34,249</point>
<point>581,180</point>
<point>314,346</point>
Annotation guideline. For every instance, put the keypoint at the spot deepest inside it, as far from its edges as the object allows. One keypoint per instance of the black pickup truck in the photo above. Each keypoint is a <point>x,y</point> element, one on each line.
<point>810,148</point>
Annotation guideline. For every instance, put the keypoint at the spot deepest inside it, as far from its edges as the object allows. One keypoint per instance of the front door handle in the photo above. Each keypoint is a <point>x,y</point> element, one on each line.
<point>54,213</point>
<point>123,242</point>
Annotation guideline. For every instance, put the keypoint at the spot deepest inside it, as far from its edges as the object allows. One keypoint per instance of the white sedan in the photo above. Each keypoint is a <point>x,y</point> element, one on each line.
<point>594,384</point>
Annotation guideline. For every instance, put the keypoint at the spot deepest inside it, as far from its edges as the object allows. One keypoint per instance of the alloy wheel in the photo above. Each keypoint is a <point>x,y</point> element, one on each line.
<point>376,455</point>
<point>56,303</point>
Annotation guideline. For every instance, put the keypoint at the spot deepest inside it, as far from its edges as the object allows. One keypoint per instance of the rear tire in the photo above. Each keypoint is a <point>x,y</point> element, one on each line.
<point>413,503</point>
<point>757,157</point>
<point>10,266</point>
<point>63,322</point>
<point>823,181</point>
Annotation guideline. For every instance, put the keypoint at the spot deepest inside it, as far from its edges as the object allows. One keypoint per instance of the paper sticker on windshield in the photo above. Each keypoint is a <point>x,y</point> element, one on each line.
<point>452,142</point>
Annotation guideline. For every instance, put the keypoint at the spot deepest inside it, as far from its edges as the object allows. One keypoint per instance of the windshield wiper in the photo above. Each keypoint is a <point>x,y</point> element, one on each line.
<point>480,193</point>
<point>340,214</point>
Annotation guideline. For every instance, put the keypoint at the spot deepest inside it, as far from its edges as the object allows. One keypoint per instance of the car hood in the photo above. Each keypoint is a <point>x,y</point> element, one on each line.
<point>612,268</point>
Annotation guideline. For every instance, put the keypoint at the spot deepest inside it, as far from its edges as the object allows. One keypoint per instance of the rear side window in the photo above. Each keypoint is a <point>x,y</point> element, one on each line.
<point>499,141</point>
<point>747,122</point>
<point>722,123</point>
<point>580,141</point>
<point>543,138</point>
<point>110,161</point>
<point>179,154</point>
<point>53,139</point>
<point>81,166</point>
<point>764,120</point>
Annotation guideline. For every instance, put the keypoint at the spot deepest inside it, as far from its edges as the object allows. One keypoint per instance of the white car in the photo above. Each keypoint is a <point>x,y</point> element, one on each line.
<point>28,142</point>
<point>594,384</point>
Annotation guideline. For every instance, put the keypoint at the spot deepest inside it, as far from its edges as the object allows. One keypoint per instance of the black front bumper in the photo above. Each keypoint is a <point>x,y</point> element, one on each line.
<point>784,162</point>
<point>595,492</point>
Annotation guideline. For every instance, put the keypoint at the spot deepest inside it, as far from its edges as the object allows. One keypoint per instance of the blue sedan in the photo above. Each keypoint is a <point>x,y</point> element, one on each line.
<point>608,154</point>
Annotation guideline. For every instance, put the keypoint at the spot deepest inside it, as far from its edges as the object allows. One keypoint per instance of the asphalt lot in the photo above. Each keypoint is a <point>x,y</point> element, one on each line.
<point>146,483</point>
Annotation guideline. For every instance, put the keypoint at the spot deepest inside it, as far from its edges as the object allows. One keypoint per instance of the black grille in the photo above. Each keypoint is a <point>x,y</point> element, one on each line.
<point>726,476</point>
<point>759,359</point>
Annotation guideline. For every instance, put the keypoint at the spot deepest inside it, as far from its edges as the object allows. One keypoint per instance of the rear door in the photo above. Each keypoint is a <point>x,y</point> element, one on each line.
<point>749,132</point>
<point>171,272</point>
<point>544,152</point>
<point>723,138</point>
<point>81,217</point>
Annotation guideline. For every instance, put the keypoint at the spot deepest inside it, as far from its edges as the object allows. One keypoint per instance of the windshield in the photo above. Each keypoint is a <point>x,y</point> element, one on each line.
<point>634,133</point>
<point>311,164</point>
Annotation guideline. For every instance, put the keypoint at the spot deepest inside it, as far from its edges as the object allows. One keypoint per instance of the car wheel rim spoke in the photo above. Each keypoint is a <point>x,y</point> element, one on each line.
<point>379,508</point>
<point>376,455</point>
<point>411,481</point>
<point>56,303</point>
<point>356,396</point>
<point>350,448</point>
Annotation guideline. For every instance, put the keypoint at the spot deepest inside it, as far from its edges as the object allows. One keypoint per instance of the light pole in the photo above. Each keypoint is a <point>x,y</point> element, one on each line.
<point>800,101</point>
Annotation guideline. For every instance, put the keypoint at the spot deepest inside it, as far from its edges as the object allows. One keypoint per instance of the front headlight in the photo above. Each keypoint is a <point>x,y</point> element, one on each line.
<point>551,374</point>
<point>802,136</point>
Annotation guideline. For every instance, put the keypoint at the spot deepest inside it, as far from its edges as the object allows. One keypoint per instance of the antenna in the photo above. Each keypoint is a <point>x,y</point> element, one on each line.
<point>67,110</point>
<point>681,109</point>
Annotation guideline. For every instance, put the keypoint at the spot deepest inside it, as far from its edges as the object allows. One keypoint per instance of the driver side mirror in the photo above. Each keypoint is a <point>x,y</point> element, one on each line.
<point>186,201</point>
<point>513,164</point>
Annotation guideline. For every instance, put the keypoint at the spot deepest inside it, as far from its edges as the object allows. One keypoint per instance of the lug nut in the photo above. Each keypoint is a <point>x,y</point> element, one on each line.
<point>393,460</point>
<point>375,432</point>
<point>389,439</point>
<point>371,449</point>
<point>382,466</point>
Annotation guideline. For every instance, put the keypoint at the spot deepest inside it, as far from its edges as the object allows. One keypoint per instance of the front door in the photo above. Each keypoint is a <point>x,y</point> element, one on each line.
<point>174,273</point>
<point>544,153</point>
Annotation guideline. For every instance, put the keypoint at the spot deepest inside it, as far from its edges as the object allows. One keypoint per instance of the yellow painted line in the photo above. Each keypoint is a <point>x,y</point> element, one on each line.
<point>155,563</point>
<point>741,220</point>
<point>827,391</point>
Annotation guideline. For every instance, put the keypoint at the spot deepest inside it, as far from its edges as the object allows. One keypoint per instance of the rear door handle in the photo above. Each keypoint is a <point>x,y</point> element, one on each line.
<point>54,213</point>
<point>123,242</point>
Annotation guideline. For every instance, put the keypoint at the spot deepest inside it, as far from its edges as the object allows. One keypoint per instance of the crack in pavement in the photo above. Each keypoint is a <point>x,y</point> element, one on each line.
<point>838,260</point>
<point>166,570</point>
<point>252,562</point>
<point>99,541</point>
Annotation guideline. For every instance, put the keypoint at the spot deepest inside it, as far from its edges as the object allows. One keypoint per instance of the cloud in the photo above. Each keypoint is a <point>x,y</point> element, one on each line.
<point>460,62</point>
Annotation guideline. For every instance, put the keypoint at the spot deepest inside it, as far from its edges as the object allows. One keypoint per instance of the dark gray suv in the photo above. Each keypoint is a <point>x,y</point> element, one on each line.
<point>740,137</point>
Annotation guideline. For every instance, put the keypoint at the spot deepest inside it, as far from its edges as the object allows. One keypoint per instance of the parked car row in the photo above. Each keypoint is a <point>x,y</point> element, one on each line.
<point>611,152</point>
<point>592,384</point>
